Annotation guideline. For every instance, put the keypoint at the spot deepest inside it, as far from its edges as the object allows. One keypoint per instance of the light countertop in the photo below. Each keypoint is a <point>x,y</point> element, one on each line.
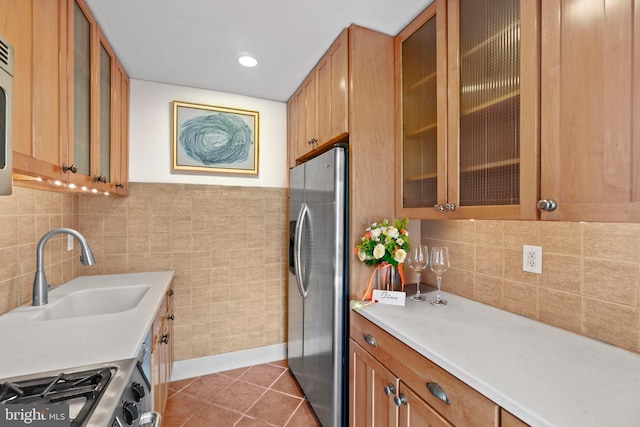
<point>544,375</point>
<point>31,346</point>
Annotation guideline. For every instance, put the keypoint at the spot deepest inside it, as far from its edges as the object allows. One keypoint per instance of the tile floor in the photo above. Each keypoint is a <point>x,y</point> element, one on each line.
<point>261,395</point>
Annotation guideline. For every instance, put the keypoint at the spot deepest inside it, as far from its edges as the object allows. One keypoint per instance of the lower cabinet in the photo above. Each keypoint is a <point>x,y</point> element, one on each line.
<point>416,412</point>
<point>372,388</point>
<point>161,353</point>
<point>393,385</point>
<point>379,398</point>
<point>507,419</point>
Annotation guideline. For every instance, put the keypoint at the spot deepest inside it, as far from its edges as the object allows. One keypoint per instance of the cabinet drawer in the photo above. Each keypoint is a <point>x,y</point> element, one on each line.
<point>452,398</point>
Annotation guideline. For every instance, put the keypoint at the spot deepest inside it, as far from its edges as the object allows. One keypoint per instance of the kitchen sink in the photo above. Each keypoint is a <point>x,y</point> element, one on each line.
<point>93,302</point>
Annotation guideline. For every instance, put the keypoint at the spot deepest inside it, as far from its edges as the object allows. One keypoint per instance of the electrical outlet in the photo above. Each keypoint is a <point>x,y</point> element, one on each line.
<point>69,242</point>
<point>532,259</point>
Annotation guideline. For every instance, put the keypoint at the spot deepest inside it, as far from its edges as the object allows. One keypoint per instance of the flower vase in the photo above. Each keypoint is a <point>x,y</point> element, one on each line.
<point>389,278</point>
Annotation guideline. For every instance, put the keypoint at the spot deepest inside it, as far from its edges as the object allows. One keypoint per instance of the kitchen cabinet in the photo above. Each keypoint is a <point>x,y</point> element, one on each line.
<point>99,102</point>
<point>372,388</point>
<point>291,131</point>
<point>37,31</point>
<point>467,133</point>
<point>379,398</point>
<point>590,110</point>
<point>370,119</point>
<point>425,393</point>
<point>120,147</point>
<point>321,101</point>
<point>305,116</point>
<point>67,116</point>
<point>162,352</point>
<point>507,419</point>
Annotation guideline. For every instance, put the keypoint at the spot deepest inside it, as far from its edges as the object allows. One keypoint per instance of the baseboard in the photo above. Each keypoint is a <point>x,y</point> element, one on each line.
<point>190,368</point>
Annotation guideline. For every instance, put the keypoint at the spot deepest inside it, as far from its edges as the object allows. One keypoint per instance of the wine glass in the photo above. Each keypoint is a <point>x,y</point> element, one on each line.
<point>439,264</point>
<point>418,260</point>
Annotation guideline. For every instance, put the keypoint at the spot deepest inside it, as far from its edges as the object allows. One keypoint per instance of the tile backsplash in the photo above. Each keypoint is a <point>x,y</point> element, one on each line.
<point>590,280</point>
<point>24,217</point>
<point>226,244</point>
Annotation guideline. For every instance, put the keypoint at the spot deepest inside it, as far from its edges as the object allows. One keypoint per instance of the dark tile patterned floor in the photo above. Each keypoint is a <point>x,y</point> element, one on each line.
<point>261,395</point>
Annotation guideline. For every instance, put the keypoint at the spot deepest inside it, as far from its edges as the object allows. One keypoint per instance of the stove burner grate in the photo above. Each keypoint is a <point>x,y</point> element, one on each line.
<point>66,388</point>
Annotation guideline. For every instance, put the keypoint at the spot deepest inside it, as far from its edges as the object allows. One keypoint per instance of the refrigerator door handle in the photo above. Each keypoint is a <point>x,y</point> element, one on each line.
<point>297,249</point>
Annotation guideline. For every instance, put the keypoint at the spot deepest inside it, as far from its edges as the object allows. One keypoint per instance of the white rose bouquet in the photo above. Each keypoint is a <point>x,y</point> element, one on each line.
<point>384,243</point>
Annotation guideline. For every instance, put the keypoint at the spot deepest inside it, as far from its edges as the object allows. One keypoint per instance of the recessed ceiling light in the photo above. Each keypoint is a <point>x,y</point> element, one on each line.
<point>248,61</point>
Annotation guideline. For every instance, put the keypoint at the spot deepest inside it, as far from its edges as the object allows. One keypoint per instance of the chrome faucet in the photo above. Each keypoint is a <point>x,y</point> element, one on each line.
<point>40,285</point>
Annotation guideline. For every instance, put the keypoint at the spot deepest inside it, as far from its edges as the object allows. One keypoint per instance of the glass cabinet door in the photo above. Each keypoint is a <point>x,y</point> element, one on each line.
<point>420,54</point>
<point>488,139</point>
<point>81,91</point>
<point>105,114</point>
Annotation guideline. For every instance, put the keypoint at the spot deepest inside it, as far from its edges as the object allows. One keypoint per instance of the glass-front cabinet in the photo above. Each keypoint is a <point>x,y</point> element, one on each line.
<point>468,133</point>
<point>100,108</point>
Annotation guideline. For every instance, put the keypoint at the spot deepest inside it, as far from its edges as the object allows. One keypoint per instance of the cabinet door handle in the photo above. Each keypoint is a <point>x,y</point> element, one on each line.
<point>400,400</point>
<point>72,168</point>
<point>437,391</point>
<point>439,208</point>
<point>547,205</point>
<point>370,339</point>
<point>450,207</point>
<point>171,317</point>
<point>389,389</point>
<point>100,178</point>
<point>165,339</point>
<point>119,185</point>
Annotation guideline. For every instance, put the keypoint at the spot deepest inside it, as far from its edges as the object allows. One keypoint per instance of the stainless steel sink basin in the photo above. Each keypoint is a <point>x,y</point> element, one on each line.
<point>93,302</point>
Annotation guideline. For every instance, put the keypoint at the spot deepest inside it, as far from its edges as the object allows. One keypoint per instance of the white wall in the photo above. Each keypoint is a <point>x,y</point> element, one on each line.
<point>150,136</point>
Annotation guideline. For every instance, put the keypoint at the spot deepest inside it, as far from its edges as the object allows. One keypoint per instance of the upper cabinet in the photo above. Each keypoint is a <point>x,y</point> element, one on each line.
<point>100,98</point>
<point>590,110</point>
<point>319,108</point>
<point>70,95</point>
<point>37,31</point>
<point>467,135</point>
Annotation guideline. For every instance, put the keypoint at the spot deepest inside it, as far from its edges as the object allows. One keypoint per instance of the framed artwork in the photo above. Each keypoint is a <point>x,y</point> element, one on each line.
<point>215,139</point>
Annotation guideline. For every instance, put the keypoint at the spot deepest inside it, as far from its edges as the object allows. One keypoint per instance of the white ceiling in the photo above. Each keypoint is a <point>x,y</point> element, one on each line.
<point>196,42</point>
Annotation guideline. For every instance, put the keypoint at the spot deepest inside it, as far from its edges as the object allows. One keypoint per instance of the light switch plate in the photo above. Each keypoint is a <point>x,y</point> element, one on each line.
<point>532,259</point>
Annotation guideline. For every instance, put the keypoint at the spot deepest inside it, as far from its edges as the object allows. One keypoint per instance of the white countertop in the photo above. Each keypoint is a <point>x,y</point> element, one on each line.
<point>30,346</point>
<point>544,375</point>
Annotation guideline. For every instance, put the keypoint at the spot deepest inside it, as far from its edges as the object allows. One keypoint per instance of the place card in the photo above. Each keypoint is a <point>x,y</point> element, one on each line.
<point>380,296</point>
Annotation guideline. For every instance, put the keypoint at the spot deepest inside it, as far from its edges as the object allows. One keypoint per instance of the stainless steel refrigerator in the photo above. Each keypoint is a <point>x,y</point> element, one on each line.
<point>318,283</point>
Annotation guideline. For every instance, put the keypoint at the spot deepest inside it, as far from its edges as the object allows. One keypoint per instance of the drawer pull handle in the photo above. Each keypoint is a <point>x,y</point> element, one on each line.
<point>400,400</point>
<point>437,391</point>
<point>389,389</point>
<point>370,340</point>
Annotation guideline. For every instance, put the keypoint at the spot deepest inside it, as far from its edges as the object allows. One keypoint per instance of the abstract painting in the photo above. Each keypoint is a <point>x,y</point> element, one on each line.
<point>215,139</point>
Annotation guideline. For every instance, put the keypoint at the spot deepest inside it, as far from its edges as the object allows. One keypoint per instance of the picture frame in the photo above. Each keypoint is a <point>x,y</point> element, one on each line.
<point>215,139</point>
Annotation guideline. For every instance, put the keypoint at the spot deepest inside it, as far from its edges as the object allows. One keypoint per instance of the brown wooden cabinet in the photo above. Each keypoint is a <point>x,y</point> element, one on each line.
<point>590,110</point>
<point>67,110</point>
<point>425,393</point>
<point>99,94</point>
<point>320,105</point>
<point>372,388</point>
<point>467,111</point>
<point>507,419</point>
<point>37,31</point>
<point>366,90</point>
<point>162,353</point>
<point>305,116</point>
